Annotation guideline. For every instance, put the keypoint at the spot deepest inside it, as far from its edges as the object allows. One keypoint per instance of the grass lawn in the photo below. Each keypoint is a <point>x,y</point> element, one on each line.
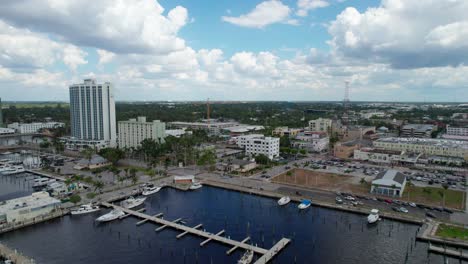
<point>449,231</point>
<point>433,195</point>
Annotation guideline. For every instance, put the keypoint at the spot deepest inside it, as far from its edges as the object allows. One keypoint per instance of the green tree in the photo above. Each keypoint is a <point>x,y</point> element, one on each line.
<point>285,141</point>
<point>75,198</point>
<point>98,185</point>
<point>262,159</point>
<point>112,154</point>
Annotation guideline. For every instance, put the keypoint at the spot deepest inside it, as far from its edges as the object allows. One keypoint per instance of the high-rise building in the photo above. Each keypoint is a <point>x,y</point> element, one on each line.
<point>134,131</point>
<point>92,112</point>
<point>256,144</point>
<point>320,125</point>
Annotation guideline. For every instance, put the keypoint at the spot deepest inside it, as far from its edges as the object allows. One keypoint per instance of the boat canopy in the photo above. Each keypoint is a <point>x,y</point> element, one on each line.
<point>374,211</point>
<point>306,202</point>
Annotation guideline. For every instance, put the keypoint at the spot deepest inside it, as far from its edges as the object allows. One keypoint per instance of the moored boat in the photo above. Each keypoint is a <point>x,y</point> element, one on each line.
<point>85,209</point>
<point>246,258</point>
<point>373,216</point>
<point>284,200</point>
<point>132,202</point>
<point>13,170</point>
<point>304,204</point>
<point>195,185</point>
<point>151,190</point>
<point>112,215</point>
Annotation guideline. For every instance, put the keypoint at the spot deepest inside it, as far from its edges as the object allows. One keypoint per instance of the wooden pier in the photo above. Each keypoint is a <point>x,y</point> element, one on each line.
<point>267,255</point>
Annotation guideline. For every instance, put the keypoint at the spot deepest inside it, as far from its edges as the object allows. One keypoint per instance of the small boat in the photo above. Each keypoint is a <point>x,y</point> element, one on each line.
<point>13,170</point>
<point>132,202</point>
<point>284,200</point>
<point>112,215</point>
<point>150,190</point>
<point>246,258</point>
<point>195,185</point>
<point>373,216</point>
<point>338,200</point>
<point>85,209</point>
<point>304,204</point>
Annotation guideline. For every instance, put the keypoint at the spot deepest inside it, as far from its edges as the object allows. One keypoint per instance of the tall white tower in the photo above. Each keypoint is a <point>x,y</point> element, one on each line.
<point>92,112</point>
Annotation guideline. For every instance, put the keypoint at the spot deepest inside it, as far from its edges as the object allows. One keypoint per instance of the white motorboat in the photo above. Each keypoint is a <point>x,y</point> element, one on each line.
<point>246,258</point>
<point>42,182</point>
<point>373,216</point>
<point>132,202</point>
<point>13,170</point>
<point>85,209</point>
<point>284,200</point>
<point>112,215</point>
<point>304,204</point>
<point>195,185</point>
<point>4,168</point>
<point>151,190</point>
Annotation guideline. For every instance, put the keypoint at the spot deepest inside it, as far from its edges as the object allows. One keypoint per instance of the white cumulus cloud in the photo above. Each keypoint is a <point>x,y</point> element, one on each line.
<point>264,14</point>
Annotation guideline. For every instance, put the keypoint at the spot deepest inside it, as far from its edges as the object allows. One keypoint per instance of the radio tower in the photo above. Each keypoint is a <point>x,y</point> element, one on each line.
<point>346,103</point>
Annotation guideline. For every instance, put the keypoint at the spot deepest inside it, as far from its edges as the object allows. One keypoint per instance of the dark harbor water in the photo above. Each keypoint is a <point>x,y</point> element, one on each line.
<point>14,186</point>
<point>318,235</point>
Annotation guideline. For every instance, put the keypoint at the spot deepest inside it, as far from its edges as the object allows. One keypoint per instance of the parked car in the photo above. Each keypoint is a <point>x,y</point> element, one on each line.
<point>403,210</point>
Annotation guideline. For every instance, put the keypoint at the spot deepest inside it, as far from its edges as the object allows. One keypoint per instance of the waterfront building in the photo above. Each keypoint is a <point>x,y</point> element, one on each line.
<point>427,146</point>
<point>185,179</point>
<point>459,133</point>
<point>389,183</point>
<point>31,128</point>
<point>92,112</point>
<point>311,141</point>
<point>417,130</point>
<point>134,131</point>
<point>95,162</point>
<point>256,144</point>
<point>320,125</point>
<point>27,208</point>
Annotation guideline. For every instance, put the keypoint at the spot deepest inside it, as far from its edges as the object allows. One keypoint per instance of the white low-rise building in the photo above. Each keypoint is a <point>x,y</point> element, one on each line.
<point>7,131</point>
<point>257,144</point>
<point>459,133</point>
<point>389,183</point>
<point>134,131</point>
<point>177,132</point>
<point>30,128</point>
<point>27,208</point>
<point>427,146</point>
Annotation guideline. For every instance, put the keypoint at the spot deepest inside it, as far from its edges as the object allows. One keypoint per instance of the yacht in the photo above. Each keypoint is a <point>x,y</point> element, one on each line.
<point>246,258</point>
<point>85,209</point>
<point>284,200</point>
<point>14,170</point>
<point>132,202</point>
<point>304,204</point>
<point>151,190</point>
<point>373,216</point>
<point>42,182</point>
<point>196,185</point>
<point>112,215</point>
<point>4,168</point>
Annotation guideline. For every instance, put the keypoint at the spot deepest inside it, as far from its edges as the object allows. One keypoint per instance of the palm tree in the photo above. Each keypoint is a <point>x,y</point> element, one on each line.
<point>445,186</point>
<point>98,185</point>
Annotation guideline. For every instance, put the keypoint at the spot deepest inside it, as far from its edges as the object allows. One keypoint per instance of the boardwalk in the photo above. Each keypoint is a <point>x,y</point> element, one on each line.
<point>208,236</point>
<point>14,255</point>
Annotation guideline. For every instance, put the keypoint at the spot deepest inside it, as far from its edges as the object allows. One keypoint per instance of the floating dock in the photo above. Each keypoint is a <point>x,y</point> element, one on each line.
<point>267,254</point>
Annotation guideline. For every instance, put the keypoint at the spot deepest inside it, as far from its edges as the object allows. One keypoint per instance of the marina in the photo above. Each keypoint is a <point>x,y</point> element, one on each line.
<point>317,235</point>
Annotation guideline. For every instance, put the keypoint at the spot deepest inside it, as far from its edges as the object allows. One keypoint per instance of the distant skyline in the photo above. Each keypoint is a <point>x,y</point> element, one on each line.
<point>246,50</point>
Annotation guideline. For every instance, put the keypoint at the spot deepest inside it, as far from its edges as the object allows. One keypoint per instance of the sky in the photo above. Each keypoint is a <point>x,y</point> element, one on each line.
<point>287,50</point>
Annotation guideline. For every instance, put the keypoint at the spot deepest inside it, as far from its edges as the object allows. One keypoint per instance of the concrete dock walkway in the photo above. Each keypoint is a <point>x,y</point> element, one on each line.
<point>266,254</point>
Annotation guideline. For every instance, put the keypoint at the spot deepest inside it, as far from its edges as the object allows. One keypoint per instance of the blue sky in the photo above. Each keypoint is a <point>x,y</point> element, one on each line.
<point>402,50</point>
